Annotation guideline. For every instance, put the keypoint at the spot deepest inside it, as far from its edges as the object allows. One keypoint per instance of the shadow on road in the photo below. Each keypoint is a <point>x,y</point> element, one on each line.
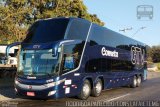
<point>7,87</point>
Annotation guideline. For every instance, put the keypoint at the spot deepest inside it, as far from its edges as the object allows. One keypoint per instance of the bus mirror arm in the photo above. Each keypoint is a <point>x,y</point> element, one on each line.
<point>8,48</point>
<point>56,48</point>
<point>54,51</point>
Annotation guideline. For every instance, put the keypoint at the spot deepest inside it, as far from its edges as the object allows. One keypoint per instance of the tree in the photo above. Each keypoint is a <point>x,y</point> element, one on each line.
<point>12,21</point>
<point>17,15</point>
<point>154,54</point>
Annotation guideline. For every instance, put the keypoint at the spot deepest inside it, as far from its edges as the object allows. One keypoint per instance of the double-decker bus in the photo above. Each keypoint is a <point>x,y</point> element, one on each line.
<point>64,57</point>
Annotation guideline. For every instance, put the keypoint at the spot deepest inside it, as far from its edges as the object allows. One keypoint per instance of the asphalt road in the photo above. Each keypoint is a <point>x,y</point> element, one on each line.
<point>148,94</point>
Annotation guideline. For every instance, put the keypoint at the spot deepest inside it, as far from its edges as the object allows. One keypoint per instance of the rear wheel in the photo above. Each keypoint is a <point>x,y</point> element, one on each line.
<point>134,82</point>
<point>139,81</point>
<point>96,91</point>
<point>85,91</point>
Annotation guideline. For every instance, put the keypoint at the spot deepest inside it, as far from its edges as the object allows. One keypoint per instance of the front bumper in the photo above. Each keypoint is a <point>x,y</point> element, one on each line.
<point>44,94</point>
<point>43,90</point>
<point>37,91</point>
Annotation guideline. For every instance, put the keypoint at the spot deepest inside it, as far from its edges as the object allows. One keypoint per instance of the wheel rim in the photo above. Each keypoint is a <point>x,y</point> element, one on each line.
<point>98,87</point>
<point>135,82</point>
<point>139,80</point>
<point>86,90</point>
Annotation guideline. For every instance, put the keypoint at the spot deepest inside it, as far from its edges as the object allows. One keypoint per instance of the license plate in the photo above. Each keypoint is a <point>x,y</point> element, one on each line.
<point>30,94</point>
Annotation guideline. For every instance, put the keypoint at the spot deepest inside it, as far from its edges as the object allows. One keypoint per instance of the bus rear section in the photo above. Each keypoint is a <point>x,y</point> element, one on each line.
<point>83,60</point>
<point>119,60</point>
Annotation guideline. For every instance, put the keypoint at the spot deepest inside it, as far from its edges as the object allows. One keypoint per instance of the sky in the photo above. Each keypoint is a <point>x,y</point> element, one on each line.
<point>122,14</point>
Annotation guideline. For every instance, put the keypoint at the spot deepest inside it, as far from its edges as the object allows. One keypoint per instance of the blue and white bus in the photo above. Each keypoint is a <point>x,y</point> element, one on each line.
<point>64,57</point>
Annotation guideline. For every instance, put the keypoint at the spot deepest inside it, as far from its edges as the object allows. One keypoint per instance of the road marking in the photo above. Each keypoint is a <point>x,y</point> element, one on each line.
<point>112,99</point>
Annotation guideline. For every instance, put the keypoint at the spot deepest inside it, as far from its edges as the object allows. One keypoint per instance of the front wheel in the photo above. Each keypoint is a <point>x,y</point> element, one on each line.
<point>85,91</point>
<point>96,91</point>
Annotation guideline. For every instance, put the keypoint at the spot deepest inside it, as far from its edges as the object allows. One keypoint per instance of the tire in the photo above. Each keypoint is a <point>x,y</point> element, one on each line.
<point>134,82</point>
<point>85,91</point>
<point>139,81</point>
<point>96,91</point>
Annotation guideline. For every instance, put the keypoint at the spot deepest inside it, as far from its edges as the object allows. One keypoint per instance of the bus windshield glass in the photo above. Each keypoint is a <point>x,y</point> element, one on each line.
<point>47,31</point>
<point>38,63</point>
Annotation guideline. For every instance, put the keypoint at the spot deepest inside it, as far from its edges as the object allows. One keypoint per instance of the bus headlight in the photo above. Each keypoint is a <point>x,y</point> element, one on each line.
<point>51,92</point>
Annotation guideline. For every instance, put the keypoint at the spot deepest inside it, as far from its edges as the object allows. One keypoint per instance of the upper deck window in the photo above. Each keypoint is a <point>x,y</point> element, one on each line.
<point>78,29</point>
<point>47,31</point>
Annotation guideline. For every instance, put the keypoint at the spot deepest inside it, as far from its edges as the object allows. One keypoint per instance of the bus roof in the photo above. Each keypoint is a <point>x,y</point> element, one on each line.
<point>70,18</point>
<point>81,19</point>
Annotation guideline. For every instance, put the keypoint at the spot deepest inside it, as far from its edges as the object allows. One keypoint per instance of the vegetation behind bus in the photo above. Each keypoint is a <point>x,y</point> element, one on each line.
<point>16,16</point>
<point>154,56</point>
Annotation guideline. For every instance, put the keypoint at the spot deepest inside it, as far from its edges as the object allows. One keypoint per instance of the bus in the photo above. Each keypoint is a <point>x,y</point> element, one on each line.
<point>67,57</point>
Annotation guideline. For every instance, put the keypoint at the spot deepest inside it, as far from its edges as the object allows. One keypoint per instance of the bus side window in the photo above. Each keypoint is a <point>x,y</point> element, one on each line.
<point>71,57</point>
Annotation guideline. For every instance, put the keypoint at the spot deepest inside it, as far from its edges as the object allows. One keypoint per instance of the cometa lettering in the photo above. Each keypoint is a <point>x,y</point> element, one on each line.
<point>109,53</point>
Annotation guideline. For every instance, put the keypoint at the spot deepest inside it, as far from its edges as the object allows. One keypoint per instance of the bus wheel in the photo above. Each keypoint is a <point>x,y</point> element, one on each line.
<point>139,80</point>
<point>134,82</point>
<point>96,91</point>
<point>85,91</point>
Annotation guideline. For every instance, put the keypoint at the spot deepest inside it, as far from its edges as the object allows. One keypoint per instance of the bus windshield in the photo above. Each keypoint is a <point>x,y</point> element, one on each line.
<point>38,63</point>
